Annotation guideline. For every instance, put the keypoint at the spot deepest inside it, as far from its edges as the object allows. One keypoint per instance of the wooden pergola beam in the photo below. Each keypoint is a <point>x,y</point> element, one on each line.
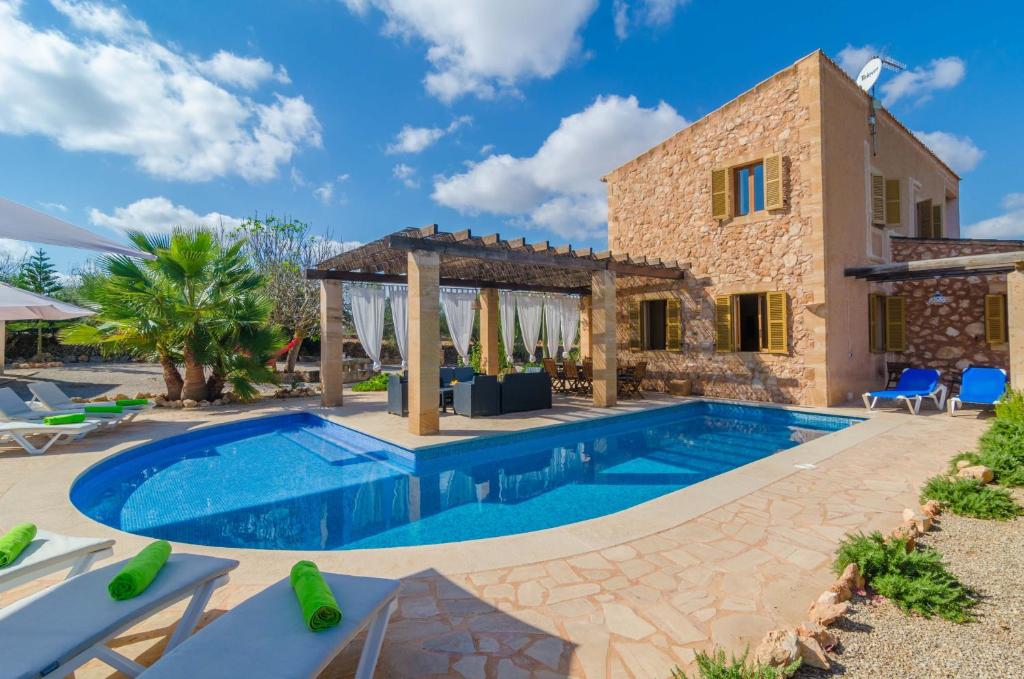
<point>963,262</point>
<point>401,279</point>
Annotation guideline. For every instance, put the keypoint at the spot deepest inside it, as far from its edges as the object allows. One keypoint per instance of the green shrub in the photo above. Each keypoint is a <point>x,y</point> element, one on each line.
<point>916,582</point>
<point>717,667</point>
<point>970,457</point>
<point>378,382</point>
<point>970,497</point>
<point>1001,447</point>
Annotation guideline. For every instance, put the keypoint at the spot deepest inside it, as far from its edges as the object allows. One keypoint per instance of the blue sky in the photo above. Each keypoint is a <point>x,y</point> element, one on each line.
<point>365,116</point>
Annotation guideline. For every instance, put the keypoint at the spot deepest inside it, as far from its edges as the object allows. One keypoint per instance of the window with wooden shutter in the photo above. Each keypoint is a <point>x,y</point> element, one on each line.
<point>876,331</point>
<point>878,200</point>
<point>892,202</point>
<point>774,199</point>
<point>995,319</point>
<point>721,194</point>
<point>924,219</point>
<point>895,323</point>
<point>673,325</point>
<point>634,325</point>
<point>937,220</point>
<point>778,338</point>
<point>723,323</point>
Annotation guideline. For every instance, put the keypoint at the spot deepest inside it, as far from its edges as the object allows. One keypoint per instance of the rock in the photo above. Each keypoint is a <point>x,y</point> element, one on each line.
<point>851,578</point>
<point>218,402</point>
<point>811,653</point>
<point>204,404</point>
<point>979,472</point>
<point>828,598</point>
<point>777,649</point>
<point>121,397</point>
<point>932,508</point>
<point>79,399</point>
<point>826,614</point>
<point>815,631</point>
<point>842,590</point>
<point>189,403</point>
<point>905,531</point>
<point>102,398</point>
<point>962,463</point>
<point>142,395</point>
<point>921,522</point>
<point>83,358</point>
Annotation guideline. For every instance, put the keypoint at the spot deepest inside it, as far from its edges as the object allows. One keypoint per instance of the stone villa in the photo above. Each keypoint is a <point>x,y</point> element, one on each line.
<point>770,199</point>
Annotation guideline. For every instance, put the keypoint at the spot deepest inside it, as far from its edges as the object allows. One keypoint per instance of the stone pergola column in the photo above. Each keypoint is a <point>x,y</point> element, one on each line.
<point>602,337</point>
<point>586,310</point>
<point>490,361</point>
<point>1015,321</point>
<point>424,341</point>
<point>331,343</point>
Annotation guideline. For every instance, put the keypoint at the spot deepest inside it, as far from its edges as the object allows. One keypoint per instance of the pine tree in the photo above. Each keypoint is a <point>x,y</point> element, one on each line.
<point>38,275</point>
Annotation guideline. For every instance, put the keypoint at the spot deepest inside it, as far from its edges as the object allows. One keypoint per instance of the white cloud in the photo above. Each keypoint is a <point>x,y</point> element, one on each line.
<point>61,207</point>
<point>1013,201</point>
<point>486,47</point>
<point>921,82</point>
<point>158,215</point>
<point>342,178</point>
<point>416,139</point>
<point>15,249</point>
<point>852,58</point>
<point>620,17</point>
<point>117,90</point>
<point>1009,225</point>
<point>245,72</point>
<point>959,153</point>
<point>559,187</point>
<point>646,12</point>
<point>486,148</point>
<point>407,175</point>
<point>324,193</point>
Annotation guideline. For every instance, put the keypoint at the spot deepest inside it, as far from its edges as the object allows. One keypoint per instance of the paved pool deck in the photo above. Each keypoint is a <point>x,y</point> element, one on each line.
<point>627,595</point>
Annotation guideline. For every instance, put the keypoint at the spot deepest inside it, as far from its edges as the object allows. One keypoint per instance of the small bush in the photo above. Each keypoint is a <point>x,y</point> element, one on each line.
<point>916,582</point>
<point>378,382</point>
<point>1001,447</point>
<point>970,497</point>
<point>717,667</point>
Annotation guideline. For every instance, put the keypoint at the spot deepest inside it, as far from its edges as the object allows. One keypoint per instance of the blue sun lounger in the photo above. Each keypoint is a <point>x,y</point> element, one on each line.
<point>914,385</point>
<point>979,386</point>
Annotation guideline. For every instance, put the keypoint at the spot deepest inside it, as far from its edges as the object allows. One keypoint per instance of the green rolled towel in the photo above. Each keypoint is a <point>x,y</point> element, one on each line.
<point>139,572</point>
<point>14,541</point>
<point>71,418</point>
<point>132,401</point>
<point>319,608</point>
<point>104,409</point>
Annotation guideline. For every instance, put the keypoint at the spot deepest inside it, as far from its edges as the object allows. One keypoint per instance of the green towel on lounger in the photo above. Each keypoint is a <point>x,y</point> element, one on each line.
<point>319,608</point>
<point>140,571</point>
<point>14,541</point>
<point>132,401</point>
<point>104,409</point>
<point>71,418</point>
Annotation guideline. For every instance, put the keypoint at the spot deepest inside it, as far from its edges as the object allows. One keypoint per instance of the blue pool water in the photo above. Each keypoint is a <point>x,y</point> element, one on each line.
<point>300,482</point>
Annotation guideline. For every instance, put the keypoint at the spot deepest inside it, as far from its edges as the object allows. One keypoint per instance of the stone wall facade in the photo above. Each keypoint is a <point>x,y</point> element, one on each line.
<point>951,336</point>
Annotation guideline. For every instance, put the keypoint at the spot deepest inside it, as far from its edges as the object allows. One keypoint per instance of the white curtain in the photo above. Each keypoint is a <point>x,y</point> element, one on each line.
<point>507,310</point>
<point>570,321</point>
<point>399,297</point>
<point>552,323</point>
<point>368,315</point>
<point>529,309</point>
<point>458,309</point>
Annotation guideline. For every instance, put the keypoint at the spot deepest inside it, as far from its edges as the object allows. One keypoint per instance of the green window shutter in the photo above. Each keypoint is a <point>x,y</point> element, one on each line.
<point>723,323</point>
<point>878,200</point>
<point>995,319</point>
<point>721,194</point>
<point>673,326</point>
<point>774,199</point>
<point>924,219</point>
<point>892,202</point>
<point>895,323</point>
<point>778,339</point>
<point>634,325</point>
<point>937,221</point>
<point>873,321</point>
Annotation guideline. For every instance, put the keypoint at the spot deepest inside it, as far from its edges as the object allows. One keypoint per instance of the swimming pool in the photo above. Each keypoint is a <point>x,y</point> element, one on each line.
<point>298,481</point>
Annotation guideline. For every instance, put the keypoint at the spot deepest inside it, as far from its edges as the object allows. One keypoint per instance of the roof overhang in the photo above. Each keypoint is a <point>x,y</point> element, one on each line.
<point>946,267</point>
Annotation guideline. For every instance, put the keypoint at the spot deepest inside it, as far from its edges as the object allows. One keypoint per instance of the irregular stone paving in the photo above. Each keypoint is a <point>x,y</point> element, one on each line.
<point>639,608</point>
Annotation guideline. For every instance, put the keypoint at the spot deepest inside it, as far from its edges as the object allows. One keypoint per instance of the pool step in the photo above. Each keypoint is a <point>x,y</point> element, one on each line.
<point>323,447</point>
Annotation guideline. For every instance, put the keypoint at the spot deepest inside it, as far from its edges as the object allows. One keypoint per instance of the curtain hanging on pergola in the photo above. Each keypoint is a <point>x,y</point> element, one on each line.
<point>507,311</point>
<point>398,296</point>
<point>552,323</point>
<point>458,310</point>
<point>529,309</point>
<point>570,321</point>
<point>368,316</point>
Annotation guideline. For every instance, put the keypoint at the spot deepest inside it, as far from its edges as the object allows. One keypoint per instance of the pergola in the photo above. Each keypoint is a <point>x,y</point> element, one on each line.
<point>426,259</point>
<point>1010,263</point>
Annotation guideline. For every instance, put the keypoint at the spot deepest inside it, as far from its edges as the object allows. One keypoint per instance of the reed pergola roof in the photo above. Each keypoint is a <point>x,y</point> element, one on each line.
<point>488,262</point>
<point>944,267</point>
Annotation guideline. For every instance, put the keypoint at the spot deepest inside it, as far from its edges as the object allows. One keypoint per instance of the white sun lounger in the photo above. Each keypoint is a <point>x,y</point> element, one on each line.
<point>61,628</point>
<point>57,433</point>
<point>13,409</point>
<point>265,636</point>
<point>52,552</point>
<point>50,396</point>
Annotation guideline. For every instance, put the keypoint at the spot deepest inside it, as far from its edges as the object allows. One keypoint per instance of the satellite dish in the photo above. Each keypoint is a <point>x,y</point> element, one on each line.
<point>868,75</point>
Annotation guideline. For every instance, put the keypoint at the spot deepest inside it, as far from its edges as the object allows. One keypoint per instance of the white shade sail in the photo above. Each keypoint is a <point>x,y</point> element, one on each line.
<point>529,308</point>
<point>23,223</point>
<point>507,310</point>
<point>458,310</point>
<point>399,298</point>
<point>570,322</point>
<point>368,317</point>
<point>21,305</point>
<point>552,323</point>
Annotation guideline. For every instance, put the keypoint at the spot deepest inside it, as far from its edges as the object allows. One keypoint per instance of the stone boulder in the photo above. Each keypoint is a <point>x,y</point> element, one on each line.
<point>825,614</point>
<point>851,578</point>
<point>979,472</point>
<point>962,463</point>
<point>811,653</point>
<point>921,522</point>
<point>817,632</point>
<point>931,508</point>
<point>778,648</point>
<point>189,403</point>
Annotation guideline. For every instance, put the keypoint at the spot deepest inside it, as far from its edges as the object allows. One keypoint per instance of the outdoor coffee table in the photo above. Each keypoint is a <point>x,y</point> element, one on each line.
<point>447,396</point>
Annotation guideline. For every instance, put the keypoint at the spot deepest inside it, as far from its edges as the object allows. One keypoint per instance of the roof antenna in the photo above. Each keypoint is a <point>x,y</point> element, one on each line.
<point>866,80</point>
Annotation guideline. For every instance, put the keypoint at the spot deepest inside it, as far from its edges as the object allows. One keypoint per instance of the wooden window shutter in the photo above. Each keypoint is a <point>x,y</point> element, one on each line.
<point>778,340</point>
<point>774,199</point>
<point>673,326</point>
<point>721,194</point>
<point>892,202</point>
<point>937,221</point>
<point>995,319</point>
<point>873,321</point>
<point>723,323</point>
<point>924,219</point>
<point>878,199</point>
<point>895,323</point>
<point>634,325</point>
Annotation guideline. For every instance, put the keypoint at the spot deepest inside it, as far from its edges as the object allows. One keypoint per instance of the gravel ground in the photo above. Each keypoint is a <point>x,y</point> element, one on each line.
<point>878,640</point>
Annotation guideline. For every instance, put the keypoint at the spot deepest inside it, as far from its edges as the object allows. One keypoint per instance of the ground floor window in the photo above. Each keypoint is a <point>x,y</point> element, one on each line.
<point>754,322</point>
<point>887,323</point>
<point>655,325</point>
<point>996,330</point>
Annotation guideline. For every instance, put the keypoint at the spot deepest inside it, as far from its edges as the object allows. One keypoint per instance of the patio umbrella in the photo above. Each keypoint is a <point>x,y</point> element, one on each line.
<point>24,223</point>
<point>21,305</point>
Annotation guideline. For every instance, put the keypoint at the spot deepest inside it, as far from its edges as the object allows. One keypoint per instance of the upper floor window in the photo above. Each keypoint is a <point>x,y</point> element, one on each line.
<point>748,188</point>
